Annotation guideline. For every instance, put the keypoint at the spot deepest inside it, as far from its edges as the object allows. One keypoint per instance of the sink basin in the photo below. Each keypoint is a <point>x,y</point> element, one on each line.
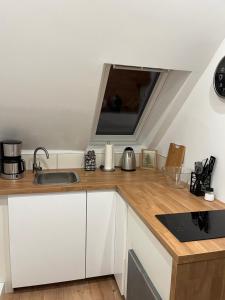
<point>56,178</point>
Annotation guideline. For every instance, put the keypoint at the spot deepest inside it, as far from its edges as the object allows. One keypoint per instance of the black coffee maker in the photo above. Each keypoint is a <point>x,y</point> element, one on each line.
<point>12,166</point>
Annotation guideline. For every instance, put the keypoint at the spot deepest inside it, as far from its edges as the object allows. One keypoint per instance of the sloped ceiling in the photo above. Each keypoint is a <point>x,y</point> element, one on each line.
<point>52,54</point>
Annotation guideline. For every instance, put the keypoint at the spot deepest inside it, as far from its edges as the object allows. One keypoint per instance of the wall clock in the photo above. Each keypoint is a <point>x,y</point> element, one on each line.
<point>219,78</point>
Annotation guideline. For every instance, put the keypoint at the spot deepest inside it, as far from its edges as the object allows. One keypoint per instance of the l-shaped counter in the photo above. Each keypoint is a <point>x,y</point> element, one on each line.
<point>198,267</point>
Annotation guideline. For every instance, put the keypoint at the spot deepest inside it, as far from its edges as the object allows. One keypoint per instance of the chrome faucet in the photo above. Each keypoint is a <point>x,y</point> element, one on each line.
<point>36,167</point>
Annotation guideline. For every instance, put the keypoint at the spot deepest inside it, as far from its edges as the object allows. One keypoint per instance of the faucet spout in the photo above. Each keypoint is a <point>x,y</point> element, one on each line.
<point>35,166</point>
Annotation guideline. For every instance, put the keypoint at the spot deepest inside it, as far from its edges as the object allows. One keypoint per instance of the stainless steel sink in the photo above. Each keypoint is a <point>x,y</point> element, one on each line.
<point>56,178</point>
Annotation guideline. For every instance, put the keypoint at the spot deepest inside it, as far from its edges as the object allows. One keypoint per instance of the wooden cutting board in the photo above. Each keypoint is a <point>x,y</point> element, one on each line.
<point>175,157</point>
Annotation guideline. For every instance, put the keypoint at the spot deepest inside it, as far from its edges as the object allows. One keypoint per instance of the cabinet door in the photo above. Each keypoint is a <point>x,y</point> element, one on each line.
<point>47,238</point>
<point>100,233</point>
<point>120,242</point>
<point>154,258</point>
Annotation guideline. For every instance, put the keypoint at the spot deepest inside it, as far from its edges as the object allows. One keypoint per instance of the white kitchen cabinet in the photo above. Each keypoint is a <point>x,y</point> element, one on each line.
<point>47,238</point>
<point>1,288</point>
<point>5,272</point>
<point>154,258</point>
<point>100,233</point>
<point>120,242</point>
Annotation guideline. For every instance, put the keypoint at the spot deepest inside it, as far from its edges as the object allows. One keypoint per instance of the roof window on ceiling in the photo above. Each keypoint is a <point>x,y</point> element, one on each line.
<point>128,91</point>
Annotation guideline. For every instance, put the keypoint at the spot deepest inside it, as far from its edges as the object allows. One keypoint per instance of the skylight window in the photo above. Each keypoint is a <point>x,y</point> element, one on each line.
<point>128,91</point>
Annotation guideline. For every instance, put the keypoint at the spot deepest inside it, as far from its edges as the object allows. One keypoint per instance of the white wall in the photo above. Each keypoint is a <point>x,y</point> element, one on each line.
<point>200,125</point>
<point>52,53</point>
<point>170,98</point>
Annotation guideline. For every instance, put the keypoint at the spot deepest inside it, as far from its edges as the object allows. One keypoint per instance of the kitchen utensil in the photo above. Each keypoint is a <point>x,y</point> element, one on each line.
<point>201,182</point>
<point>175,157</point>
<point>198,167</point>
<point>128,162</point>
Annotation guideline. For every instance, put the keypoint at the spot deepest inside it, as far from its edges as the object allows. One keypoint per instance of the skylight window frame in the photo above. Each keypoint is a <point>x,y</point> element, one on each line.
<point>124,139</point>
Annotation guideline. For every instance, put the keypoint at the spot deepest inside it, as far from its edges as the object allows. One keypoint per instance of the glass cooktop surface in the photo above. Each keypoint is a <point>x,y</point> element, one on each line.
<point>195,226</point>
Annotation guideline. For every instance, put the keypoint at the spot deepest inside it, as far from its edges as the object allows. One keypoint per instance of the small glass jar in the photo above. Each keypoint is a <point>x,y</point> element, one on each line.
<point>209,195</point>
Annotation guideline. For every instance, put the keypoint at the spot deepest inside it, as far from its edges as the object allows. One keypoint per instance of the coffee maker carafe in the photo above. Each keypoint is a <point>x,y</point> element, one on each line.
<point>12,165</point>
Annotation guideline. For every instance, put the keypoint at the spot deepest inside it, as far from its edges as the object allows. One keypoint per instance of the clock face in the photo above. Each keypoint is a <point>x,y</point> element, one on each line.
<point>219,79</point>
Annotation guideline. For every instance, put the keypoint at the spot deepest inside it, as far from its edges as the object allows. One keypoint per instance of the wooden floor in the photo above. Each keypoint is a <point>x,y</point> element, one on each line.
<point>104,288</point>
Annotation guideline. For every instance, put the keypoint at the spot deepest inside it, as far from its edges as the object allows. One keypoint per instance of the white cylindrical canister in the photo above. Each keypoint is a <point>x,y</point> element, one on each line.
<point>109,157</point>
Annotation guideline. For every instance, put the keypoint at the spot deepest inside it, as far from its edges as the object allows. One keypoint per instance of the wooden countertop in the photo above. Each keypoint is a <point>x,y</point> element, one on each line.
<point>148,194</point>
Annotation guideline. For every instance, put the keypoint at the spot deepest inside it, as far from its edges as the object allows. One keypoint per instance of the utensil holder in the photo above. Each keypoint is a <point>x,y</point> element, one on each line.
<point>198,185</point>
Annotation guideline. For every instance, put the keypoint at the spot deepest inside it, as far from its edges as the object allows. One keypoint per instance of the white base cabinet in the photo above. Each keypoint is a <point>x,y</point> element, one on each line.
<point>120,243</point>
<point>47,238</point>
<point>100,233</point>
<point>2,290</point>
<point>69,236</point>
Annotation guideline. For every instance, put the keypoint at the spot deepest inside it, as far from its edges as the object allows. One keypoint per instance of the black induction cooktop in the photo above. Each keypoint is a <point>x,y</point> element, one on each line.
<point>195,226</point>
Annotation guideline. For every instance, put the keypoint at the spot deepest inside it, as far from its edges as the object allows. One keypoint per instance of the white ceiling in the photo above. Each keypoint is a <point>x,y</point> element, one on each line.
<point>52,53</point>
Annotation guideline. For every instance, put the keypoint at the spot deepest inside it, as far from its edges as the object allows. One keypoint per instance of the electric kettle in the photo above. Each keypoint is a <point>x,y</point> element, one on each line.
<point>128,162</point>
